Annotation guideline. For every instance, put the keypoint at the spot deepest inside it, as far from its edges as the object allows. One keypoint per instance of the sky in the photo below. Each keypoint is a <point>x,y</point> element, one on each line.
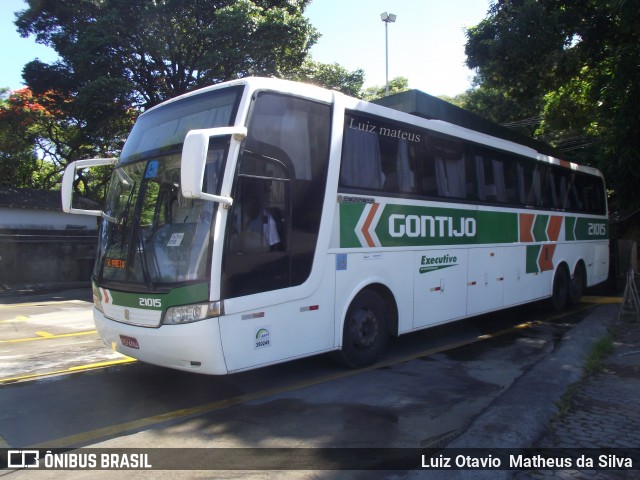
<point>426,43</point>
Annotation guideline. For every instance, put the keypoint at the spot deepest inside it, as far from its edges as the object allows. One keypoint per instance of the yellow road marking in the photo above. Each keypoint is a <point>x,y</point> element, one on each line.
<point>19,318</point>
<point>113,430</point>
<point>45,334</point>
<point>48,336</point>
<point>602,300</point>
<point>89,366</point>
<point>91,436</point>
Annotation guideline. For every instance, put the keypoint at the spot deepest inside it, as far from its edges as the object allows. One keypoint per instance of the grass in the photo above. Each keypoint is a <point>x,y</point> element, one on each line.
<point>600,350</point>
<point>594,363</point>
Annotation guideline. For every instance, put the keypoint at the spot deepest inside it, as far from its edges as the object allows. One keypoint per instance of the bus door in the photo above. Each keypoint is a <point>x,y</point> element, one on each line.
<point>257,251</point>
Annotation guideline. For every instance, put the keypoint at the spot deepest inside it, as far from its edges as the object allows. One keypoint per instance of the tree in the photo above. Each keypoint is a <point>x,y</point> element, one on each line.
<point>396,85</point>
<point>17,156</point>
<point>37,141</point>
<point>146,51</point>
<point>121,57</point>
<point>574,65</point>
<point>332,76</point>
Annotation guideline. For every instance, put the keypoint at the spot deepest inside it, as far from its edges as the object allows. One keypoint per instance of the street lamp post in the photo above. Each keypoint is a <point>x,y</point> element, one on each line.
<point>387,18</point>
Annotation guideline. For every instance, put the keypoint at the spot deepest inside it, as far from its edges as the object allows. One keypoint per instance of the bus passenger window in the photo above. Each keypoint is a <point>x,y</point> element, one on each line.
<point>361,162</point>
<point>549,195</point>
<point>450,166</point>
<point>530,184</point>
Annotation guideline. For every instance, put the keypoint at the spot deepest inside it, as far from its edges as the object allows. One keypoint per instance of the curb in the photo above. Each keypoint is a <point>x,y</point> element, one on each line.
<point>519,417</point>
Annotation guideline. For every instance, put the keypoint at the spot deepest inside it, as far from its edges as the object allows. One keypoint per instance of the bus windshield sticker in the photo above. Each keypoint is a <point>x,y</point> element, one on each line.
<point>152,169</point>
<point>175,240</point>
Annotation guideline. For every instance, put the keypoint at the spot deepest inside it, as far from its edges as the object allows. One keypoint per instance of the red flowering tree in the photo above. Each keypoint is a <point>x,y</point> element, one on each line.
<point>40,136</point>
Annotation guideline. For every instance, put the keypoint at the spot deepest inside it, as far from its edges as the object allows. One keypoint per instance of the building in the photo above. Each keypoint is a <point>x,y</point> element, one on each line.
<point>40,245</point>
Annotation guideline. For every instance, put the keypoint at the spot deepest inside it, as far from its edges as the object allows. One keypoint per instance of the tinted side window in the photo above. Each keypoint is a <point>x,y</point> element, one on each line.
<point>395,158</point>
<point>496,176</point>
<point>293,130</point>
<point>378,155</point>
<point>448,158</point>
<point>590,194</point>
<point>278,195</point>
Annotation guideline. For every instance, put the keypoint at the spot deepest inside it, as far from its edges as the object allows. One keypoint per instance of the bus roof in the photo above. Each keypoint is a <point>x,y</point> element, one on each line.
<point>423,105</point>
<point>412,102</point>
<point>427,106</point>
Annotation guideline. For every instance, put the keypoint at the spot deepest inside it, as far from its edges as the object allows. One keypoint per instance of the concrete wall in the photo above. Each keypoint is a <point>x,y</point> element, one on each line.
<point>15,218</point>
<point>46,258</point>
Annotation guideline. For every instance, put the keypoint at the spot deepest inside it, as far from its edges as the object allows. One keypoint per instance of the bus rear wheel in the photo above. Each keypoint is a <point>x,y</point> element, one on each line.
<point>560,291</point>
<point>576,286</point>
<point>366,330</point>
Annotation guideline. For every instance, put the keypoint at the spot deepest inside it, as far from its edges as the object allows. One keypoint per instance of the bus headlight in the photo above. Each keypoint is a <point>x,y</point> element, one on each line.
<point>191,313</point>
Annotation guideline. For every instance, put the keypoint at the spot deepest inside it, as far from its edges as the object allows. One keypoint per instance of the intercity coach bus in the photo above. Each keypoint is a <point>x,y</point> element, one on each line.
<point>260,220</point>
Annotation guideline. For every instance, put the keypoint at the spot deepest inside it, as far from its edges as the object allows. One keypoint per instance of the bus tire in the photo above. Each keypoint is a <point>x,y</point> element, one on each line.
<point>366,330</point>
<point>576,286</point>
<point>560,289</point>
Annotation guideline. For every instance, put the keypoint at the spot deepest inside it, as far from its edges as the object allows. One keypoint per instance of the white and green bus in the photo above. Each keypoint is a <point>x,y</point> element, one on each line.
<point>260,221</point>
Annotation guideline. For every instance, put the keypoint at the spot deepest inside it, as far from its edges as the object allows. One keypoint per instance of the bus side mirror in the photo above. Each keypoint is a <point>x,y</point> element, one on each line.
<point>194,160</point>
<point>67,183</point>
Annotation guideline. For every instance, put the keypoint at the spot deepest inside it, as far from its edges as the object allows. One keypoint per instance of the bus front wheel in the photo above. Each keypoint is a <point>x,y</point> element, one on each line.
<point>366,330</point>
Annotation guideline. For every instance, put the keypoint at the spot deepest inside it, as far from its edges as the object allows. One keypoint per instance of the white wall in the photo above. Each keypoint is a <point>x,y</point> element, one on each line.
<point>44,219</point>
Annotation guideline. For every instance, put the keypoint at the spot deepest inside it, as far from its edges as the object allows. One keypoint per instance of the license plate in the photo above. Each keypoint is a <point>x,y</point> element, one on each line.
<point>129,342</point>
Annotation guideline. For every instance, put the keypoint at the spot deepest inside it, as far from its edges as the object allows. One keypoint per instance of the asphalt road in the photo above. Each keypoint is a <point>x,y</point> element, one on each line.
<point>60,387</point>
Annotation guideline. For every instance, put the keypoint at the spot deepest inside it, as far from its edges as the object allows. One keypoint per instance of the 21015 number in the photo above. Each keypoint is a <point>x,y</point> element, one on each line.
<point>150,302</point>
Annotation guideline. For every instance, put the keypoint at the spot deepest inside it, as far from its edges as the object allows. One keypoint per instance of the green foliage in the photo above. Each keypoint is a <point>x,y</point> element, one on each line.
<point>574,66</point>
<point>39,136</point>
<point>332,76</point>
<point>396,85</point>
<point>24,121</point>
<point>121,57</point>
<point>142,52</point>
<point>598,354</point>
<point>17,158</point>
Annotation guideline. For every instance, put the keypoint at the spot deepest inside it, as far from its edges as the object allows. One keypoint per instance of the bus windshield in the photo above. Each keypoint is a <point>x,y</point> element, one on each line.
<point>165,128</point>
<point>151,236</point>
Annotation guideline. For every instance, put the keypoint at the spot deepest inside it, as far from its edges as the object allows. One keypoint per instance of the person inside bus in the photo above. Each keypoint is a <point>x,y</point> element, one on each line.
<point>258,229</point>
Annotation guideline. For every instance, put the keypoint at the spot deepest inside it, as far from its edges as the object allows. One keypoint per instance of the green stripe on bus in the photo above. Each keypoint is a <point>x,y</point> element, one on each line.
<point>497,227</point>
<point>533,252</point>
<point>178,296</point>
<point>591,229</point>
<point>407,225</point>
<point>350,213</point>
<point>393,225</point>
<point>402,226</point>
<point>540,228</point>
<point>569,228</point>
